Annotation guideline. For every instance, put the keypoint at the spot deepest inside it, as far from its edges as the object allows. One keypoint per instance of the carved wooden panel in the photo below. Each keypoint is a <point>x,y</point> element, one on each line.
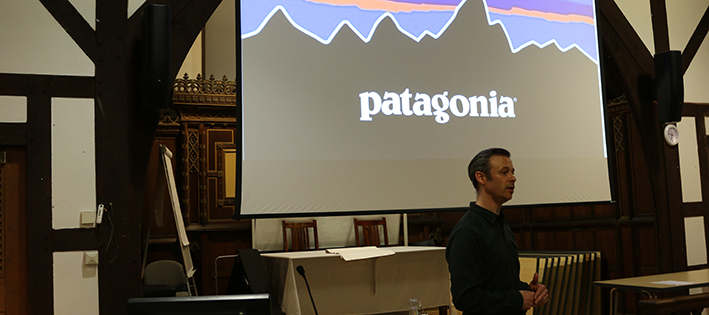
<point>217,209</point>
<point>2,222</point>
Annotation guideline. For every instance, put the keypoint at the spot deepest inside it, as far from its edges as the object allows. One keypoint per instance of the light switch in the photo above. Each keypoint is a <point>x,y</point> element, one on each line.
<point>88,219</point>
<point>90,258</point>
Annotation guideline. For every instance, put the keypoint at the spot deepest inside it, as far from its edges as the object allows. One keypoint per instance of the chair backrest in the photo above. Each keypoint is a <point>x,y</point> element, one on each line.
<point>370,232</point>
<point>165,278</point>
<point>300,235</point>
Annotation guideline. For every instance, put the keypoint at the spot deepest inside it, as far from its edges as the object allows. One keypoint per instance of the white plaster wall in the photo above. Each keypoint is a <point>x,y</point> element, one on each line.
<point>638,14</point>
<point>73,161</point>
<point>133,6</point>
<point>683,17</point>
<point>696,241</point>
<point>33,42</point>
<point>13,109</point>
<point>75,285</point>
<point>87,9</point>
<point>193,62</point>
<point>689,161</point>
<point>220,42</point>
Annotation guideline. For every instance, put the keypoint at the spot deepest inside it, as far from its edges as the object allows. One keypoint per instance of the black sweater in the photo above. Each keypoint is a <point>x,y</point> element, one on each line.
<point>483,260</point>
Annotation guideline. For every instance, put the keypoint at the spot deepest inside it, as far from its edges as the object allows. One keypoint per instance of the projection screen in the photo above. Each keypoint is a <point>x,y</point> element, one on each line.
<point>379,105</point>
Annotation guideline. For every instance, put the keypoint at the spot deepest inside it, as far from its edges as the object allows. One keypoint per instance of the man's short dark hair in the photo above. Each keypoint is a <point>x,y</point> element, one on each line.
<point>481,163</point>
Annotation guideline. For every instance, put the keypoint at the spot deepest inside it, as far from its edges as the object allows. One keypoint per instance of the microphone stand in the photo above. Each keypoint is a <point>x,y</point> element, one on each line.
<point>301,271</point>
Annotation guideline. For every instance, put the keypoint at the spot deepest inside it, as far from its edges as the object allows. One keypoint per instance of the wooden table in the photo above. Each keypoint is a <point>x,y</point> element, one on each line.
<point>651,285</point>
<point>368,286</point>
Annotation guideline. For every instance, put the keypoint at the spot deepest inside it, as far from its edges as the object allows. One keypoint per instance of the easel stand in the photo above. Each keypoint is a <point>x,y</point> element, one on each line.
<point>183,242</point>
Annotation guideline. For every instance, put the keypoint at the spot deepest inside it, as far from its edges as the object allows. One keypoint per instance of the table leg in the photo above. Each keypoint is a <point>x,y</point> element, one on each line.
<point>614,301</point>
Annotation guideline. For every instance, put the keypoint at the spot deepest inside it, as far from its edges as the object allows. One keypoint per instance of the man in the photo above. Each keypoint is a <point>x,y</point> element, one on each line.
<point>482,253</point>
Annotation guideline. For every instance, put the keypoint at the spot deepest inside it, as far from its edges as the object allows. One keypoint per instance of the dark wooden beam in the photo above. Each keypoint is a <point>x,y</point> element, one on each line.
<point>660,31</point>
<point>75,25</point>
<point>39,201</point>
<point>51,85</point>
<point>629,39</point>
<point>117,111</point>
<point>75,239</point>
<point>695,41</point>
<point>13,134</point>
<point>187,23</point>
<point>135,21</point>
<point>124,135</point>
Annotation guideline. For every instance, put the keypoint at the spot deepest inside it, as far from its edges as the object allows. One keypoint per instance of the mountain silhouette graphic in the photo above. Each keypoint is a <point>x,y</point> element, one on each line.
<point>567,24</point>
<point>322,19</point>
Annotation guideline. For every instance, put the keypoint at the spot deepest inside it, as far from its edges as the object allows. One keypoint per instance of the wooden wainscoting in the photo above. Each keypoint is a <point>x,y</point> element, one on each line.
<point>13,232</point>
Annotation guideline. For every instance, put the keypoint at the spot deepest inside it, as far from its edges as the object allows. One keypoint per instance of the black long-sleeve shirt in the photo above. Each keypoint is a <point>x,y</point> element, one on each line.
<point>483,260</point>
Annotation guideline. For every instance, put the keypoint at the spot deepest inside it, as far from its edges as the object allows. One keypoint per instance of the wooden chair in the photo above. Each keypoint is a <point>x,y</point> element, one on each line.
<point>370,232</point>
<point>300,235</point>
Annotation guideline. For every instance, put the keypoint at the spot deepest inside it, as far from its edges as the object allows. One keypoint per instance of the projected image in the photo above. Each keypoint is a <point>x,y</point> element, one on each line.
<point>380,104</point>
<point>567,23</point>
<point>322,19</point>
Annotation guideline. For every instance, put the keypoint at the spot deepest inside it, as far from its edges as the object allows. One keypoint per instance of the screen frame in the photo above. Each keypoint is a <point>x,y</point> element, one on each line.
<point>607,127</point>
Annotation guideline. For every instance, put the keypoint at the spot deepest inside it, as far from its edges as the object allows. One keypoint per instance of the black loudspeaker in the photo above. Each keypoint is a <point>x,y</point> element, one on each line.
<point>155,70</point>
<point>249,274</point>
<point>669,86</point>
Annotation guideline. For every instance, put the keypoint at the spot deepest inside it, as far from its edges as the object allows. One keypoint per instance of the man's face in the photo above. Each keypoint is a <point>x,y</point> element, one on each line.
<point>501,184</point>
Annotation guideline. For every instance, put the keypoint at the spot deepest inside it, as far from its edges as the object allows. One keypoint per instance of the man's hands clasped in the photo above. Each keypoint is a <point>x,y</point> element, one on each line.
<point>536,296</point>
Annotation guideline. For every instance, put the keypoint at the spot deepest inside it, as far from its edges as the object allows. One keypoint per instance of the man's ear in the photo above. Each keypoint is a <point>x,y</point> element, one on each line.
<point>480,177</point>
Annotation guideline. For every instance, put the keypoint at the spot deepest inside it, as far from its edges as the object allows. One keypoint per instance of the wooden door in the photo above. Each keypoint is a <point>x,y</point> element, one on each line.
<point>13,231</point>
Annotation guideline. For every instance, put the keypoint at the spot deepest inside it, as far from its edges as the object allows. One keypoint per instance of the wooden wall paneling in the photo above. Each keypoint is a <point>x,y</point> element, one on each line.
<point>622,182</point>
<point>583,212</point>
<point>543,214</point>
<point>449,218</point>
<point>606,210</point>
<point>606,242</point>
<point>521,239</point>
<point>627,261</point>
<point>13,232</point>
<point>543,240</point>
<point>643,203</point>
<point>584,240</point>
<point>562,212</point>
<point>203,171</point>
<point>674,215</point>
<point>191,170</point>
<point>702,153</point>
<point>646,244</point>
<point>218,243</point>
<point>514,216</point>
<point>564,240</point>
<point>216,137</point>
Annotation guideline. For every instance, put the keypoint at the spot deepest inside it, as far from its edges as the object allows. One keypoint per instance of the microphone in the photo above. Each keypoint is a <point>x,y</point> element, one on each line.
<point>301,271</point>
